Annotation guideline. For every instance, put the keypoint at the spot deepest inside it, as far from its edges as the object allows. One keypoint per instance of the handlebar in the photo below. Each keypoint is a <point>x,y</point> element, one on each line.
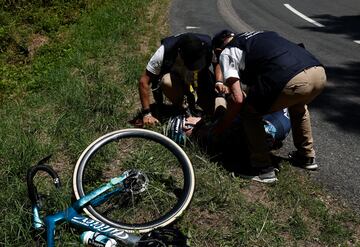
<point>32,171</point>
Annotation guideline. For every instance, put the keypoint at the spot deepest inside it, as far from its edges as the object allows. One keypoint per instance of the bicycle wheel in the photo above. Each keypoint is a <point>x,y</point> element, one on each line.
<point>161,162</point>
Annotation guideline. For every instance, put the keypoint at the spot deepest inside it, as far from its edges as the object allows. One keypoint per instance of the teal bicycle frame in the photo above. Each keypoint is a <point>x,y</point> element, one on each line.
<point>73,215</point>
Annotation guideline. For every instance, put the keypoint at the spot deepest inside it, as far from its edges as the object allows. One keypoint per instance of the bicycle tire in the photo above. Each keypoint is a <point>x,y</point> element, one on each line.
<point>181,175</point>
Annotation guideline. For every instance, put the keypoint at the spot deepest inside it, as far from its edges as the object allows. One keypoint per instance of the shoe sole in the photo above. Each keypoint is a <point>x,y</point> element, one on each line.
<point>258,179</point>
<point>310,167</point>
<point>264,180</point>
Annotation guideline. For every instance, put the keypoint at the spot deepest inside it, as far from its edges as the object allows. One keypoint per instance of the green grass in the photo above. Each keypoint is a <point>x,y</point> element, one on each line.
<point>78,86</point>
<point>82,83</point>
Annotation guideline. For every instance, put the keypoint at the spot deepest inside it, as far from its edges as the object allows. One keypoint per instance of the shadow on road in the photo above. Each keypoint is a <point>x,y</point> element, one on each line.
<point>348,25</point>
<point>340,100</point>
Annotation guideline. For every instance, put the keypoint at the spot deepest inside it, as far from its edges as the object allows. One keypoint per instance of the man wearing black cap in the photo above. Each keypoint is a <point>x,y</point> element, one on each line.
<point>179,67</point>
<point>278,74</point>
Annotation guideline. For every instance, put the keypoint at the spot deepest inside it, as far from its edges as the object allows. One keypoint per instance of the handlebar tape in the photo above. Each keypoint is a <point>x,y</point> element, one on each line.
<point>32,171</point>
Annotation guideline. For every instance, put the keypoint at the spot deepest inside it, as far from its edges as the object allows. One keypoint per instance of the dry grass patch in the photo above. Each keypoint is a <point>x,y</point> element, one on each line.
<point>35,42</point>
<point>156,16</point>
<point>256,193</point>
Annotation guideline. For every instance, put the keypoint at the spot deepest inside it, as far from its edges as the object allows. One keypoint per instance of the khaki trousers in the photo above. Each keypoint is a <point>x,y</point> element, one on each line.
<point>297,93</point>
<point>175,88</point>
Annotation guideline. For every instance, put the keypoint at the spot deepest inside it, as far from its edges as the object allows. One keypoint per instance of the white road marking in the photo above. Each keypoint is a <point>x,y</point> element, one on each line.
<point>191,27</point>
<point>357,41</point>
<point>303,16</point>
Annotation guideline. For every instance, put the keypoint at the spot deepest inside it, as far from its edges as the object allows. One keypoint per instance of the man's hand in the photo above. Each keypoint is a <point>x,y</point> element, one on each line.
<point>148,119</point>
<point>191,121</point>
<point>189,124</point>
<point>221,88</point>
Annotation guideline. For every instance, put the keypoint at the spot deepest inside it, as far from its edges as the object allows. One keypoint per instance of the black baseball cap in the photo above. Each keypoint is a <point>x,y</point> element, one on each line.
<point>193,51</point>
<point>218,39</point>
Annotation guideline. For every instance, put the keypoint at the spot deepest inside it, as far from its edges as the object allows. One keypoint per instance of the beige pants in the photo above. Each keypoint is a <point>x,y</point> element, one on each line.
<point>175,87</point>
<point>298,92</point>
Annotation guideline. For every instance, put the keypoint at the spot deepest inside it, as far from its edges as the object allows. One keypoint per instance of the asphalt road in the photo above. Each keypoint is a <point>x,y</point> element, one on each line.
<point>331,31</point>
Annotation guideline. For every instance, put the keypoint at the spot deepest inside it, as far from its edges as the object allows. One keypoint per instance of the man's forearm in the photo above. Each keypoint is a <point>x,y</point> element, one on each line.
<point>144,88</point>
<point>234,108</point>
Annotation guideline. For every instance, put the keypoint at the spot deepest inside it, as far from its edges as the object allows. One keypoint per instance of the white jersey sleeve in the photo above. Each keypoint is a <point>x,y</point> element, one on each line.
<point>232,60</point>
<point>214,58</point>
<point>156,61</point>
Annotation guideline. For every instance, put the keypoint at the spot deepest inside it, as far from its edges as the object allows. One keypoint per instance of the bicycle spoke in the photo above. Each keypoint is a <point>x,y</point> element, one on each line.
<point>164,192</point>
<point>133,205</point>
<point>153,202</point>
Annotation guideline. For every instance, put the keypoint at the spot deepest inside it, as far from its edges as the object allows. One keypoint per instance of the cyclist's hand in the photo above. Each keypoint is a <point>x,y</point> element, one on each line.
<point>221,88</point>
<point>148,119</point>
<point>191,121</point>
<point>189,124</point>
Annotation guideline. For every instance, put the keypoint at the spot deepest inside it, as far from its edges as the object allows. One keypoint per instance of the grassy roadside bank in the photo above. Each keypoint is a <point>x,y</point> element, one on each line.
<point>63,84</point>
<point>72,76</point>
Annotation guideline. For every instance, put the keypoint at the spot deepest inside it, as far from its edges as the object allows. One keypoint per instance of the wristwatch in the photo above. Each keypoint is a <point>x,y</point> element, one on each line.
<point>145,112</point>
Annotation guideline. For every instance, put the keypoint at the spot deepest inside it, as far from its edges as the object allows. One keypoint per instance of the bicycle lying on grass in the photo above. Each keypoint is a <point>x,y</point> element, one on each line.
<point>128,182</point>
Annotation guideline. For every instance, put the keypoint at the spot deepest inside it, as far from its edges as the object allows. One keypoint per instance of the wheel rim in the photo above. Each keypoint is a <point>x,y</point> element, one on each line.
<point>145,211</point>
